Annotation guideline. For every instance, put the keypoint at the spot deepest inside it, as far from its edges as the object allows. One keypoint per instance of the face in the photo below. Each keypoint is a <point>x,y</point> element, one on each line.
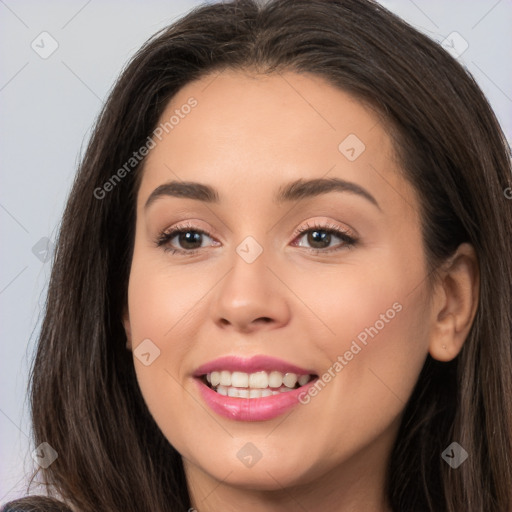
<point>297,282</point>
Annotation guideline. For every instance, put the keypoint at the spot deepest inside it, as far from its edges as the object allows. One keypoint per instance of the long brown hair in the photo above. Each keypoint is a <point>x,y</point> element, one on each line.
<point>85,398</point>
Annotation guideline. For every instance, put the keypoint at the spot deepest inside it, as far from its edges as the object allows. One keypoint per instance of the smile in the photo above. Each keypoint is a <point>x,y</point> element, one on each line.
<point>255,389</point>
<point>254,385</point>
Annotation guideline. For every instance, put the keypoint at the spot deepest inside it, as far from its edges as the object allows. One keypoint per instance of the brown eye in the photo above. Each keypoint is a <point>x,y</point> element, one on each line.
<point>319,238</point>
<point>182,239</point>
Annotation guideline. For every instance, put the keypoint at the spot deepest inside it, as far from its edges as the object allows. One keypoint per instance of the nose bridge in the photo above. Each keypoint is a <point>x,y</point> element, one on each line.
<point>250,294</point>
<point>248,280</point>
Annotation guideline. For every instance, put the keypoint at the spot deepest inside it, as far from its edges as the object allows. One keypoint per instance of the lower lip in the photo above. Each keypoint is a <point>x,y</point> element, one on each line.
<point>252,409</point>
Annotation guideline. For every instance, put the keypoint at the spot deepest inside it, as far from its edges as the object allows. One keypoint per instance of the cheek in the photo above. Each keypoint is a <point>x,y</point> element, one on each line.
<point>162,301</point>
<point>378,304</point>
<point>374,348</point>
<point>157,308</point>
<point>167,306</point>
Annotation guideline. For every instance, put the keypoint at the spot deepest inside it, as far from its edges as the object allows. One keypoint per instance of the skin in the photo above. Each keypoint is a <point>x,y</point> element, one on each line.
<point>249,135</point>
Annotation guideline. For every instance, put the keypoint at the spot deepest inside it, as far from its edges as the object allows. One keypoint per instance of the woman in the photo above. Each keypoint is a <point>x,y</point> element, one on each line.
<point>338,334</point>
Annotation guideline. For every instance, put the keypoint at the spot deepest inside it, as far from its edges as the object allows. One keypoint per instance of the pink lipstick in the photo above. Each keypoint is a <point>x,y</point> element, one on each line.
<point>252,389</point>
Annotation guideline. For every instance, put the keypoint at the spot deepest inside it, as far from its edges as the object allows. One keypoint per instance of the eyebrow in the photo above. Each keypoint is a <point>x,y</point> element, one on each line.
<point>294,191</point>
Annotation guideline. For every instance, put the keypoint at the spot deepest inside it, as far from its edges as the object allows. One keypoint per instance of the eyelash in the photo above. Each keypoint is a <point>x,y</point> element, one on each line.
<point>165,237</point>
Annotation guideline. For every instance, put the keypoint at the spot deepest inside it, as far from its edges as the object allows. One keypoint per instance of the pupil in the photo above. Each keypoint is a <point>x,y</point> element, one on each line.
<point>190,237</point>
<point>321,237</point>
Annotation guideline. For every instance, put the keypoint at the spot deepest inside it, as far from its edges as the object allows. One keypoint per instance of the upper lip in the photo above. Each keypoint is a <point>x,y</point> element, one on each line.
<point>250,365</point>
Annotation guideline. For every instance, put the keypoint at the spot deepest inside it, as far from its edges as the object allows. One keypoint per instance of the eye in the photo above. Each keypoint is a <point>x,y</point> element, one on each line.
<point>188,238</point>
<point>319,237</point>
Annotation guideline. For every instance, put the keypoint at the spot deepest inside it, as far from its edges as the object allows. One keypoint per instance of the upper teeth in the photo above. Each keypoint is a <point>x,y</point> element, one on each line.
<point>258,380</point>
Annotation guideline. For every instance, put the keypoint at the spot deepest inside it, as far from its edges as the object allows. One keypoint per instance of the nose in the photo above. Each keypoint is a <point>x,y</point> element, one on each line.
<point>251,297</point>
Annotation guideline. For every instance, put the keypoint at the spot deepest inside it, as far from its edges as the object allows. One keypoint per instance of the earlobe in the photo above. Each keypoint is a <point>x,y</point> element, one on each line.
<point>127,329</point>
<point>455,308</point>
<point>444,344</point>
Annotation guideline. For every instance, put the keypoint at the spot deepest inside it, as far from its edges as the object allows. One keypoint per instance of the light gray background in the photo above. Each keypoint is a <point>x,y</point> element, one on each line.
<point>48,107</point>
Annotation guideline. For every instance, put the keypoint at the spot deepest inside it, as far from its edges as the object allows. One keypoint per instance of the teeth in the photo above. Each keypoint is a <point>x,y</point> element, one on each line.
<point>250,393</point>
<point>215,378</point>
<point>289,380</point>
<point>303,379</point>
<point>243,393</point>
<point>275,379</point>
<point>239,379</point>
<point>258,380</point>
<point>254,385</point>
<point>254,393</point>
<point>225,378</point>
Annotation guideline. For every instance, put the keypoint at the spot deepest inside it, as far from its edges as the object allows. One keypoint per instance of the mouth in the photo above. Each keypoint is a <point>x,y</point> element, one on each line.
<point>256,389</point>
<point>254,385</point>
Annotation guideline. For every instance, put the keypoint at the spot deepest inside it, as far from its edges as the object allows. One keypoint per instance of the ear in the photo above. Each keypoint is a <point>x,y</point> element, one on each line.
<point>455,303</point>
<point>127,328</point>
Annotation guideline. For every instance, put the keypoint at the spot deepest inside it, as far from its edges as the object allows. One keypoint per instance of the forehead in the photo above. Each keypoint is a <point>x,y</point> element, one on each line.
<point>260,130</point>
<point>271,111</point>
